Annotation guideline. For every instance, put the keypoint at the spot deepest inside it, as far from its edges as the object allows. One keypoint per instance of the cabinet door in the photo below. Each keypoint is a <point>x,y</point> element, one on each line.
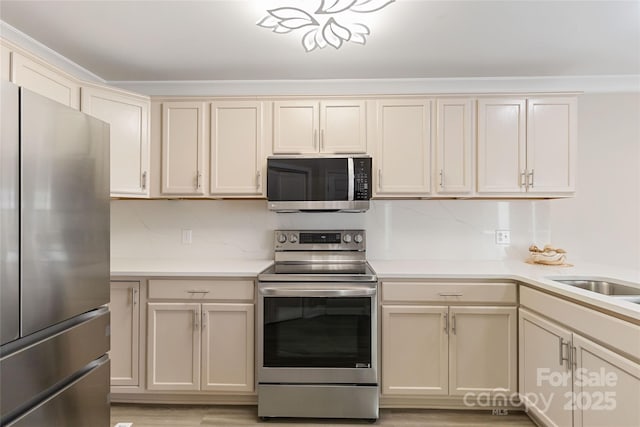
<point>403,148</point>
<point>501,145</point>
<point>551,144</point>
<point>128,117</point>
<point>125,333</point>
<point>227,347</point>
<point>236,148</point>
<point>343,127</point>
<point>44,80</point>
<point>483,350</point>
<point>544,371</point>
<point>295,127</point>
<point>173,346</point>
<point>606,390</point>
<point>414,350</point>
<point>454,146</point>
<point>182,148</point>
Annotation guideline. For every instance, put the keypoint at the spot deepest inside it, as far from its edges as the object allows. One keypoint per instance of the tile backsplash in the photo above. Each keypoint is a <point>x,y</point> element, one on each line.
<point>396,229</point>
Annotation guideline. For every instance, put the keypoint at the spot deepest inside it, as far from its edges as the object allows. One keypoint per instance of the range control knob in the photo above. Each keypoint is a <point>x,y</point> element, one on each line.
<point>346,238</point>
<point>358,238</point>
<point>293,238</point>
<point>282,238</point>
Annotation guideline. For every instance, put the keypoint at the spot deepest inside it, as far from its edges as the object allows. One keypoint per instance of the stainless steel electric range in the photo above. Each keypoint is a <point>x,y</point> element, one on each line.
<point>317,327</point>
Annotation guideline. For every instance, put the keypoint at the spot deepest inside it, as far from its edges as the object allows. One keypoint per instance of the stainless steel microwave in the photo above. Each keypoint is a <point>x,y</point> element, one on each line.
<point>335,183</point>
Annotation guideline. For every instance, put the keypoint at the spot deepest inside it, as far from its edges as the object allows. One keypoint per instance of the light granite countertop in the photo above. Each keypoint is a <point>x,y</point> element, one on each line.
<point>537,276</point>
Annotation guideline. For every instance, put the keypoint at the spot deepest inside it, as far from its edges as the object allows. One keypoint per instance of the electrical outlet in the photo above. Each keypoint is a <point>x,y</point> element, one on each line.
<point>503,237</point>
<point>187,236</point>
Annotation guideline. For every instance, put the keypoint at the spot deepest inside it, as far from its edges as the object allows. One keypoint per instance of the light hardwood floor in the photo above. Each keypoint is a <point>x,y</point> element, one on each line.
<point>229,416</point>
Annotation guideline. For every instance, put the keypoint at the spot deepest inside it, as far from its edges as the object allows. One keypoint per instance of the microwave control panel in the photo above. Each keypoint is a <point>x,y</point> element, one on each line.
<point>362,178</point>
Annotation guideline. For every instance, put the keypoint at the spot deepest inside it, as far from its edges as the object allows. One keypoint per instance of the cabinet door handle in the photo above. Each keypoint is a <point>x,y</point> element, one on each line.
<point>562,358</point>
<point>530,178</point>
<point>453,324</point>
<point>450,294</point>
<point>574,357</point>
<point>144,180</point>
<point>198,179</point>
<point>134,296</point>
<point>315,139</point>
<point>197,291</point>
<point>258,174</point>
<point>441,178</point>
<point>523,179</point>
<point>446,323</point>
<point>321,139</point>
<point>379,178</point>
<point>204,319</point>
<point>196,316</point>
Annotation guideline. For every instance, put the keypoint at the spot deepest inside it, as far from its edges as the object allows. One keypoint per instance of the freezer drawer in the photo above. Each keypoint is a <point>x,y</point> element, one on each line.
<point>85,402</point>
<point>27,375</point>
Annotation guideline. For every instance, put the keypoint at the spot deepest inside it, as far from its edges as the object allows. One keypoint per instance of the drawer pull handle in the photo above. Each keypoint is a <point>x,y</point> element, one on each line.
<point>198,292</point>
<point>449,294</point>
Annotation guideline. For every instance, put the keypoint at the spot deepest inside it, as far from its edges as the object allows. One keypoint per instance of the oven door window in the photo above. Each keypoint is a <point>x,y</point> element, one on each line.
<point>317,332</point>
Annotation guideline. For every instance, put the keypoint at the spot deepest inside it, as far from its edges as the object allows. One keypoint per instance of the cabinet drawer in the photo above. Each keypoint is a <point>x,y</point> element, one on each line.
<point>237,290</point>
<point>449,293</point>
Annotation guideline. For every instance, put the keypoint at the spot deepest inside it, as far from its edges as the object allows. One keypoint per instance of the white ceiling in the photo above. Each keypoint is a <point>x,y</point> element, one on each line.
<point>218,40</point>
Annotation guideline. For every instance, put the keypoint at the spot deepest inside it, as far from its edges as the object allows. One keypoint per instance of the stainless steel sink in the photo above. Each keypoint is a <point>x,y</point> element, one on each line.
<point>605,287</point>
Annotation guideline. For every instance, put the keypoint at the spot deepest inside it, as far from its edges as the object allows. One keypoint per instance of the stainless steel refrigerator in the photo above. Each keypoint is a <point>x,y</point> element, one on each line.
<point>54,267</point>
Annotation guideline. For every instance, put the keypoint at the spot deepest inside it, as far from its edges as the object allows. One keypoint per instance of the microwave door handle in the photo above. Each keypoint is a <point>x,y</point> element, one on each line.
<point>351,177</point>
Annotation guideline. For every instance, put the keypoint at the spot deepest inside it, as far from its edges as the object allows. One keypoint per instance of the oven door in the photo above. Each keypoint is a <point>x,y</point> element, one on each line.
<point>317,333</point>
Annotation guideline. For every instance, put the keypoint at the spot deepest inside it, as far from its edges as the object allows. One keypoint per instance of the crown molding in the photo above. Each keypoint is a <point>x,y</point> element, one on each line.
<point>33,47</point>
<point>586,84</point>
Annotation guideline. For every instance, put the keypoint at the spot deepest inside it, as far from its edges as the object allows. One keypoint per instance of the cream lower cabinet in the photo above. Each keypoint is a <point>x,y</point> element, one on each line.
<point>200,345</point>
<point>125,333</point>
<point>569,380</point>
<point>128,117</point>
<point>448,350</point>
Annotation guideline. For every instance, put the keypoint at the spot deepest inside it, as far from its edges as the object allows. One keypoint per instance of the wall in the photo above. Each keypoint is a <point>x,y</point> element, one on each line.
<point>602,224</point>
<point>403,229</point>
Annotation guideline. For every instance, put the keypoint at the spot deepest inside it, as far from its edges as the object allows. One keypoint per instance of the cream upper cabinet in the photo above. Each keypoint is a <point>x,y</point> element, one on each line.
<point>454,144</point>
<point>483,350</point>
<point>527,145</point>
<point>183,166</point>
<point>403,148</point>
<point>312,126</point>
<point>414,350</point>
<point>237,138</point>
<point>5,63</point>
<point>502,147</point>
<point>125,333</point>
<point>44,80</point>
<point>552,135</point>
<point>128,117</point>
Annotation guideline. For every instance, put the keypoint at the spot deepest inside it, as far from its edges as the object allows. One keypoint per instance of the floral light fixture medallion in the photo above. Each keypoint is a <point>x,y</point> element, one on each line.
<point>332,24</point>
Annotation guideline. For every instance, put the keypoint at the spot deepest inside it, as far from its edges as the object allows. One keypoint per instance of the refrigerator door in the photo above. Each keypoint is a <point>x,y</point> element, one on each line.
<point>64,217</point>
<point>9,238</point>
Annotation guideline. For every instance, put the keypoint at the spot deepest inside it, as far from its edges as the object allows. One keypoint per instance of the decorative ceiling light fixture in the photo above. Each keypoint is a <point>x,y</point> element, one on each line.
<point>333,23</point>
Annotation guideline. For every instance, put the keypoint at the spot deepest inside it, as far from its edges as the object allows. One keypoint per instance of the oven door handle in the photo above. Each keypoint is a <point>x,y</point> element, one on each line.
<point>311,292</point>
